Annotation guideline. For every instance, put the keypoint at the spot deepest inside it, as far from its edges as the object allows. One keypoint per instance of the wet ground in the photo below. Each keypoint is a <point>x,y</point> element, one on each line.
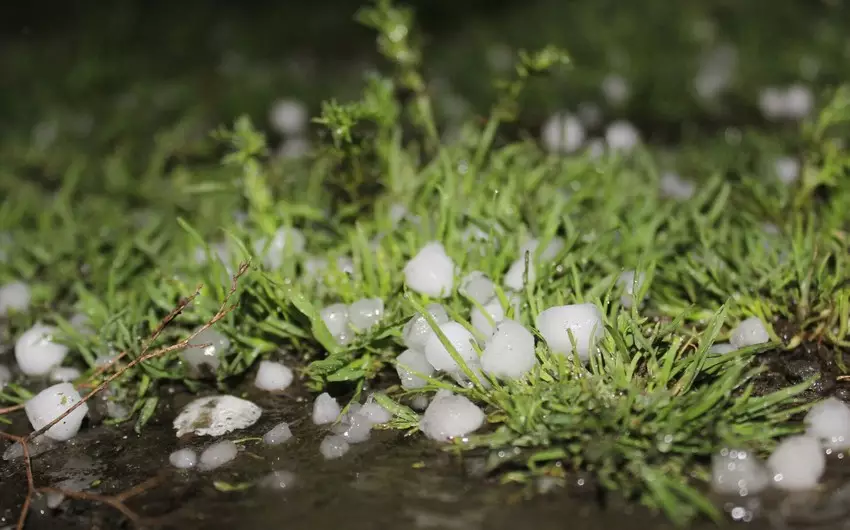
<point>390,481</point>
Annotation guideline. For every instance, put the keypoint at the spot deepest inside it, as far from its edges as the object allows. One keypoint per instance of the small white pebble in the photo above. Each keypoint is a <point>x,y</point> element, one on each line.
<point>273,377</point>
<point>288,116</point>
<point>217,455</point>
<point>477,286</point>
<point>333,446</point>
<point>366,313</point>
<point>14,296</point>
<point>509,353</point>
<point>584,321</point>
<point>64,374</point>
<point>461,340</point>
<point>216,415</point>
<point>787,169</point>
<point>621,136</point>
<point>450,416</point>
<point>749,333</point>
<point>797,463</point>
<point>562,133</point>
<point>417,330</point>
<point>738,472</point>
<point>335,317</point>
<point>721,348</point>
<point>278,434</point>
<point>413,361</point>
<point>36,352</point>
<point>829,422</point>
<point>278,480</point>
<point>430,272</point>
<point>480,321</point>
<point>183,458</point>
<point>208,357</point>
<point>325,409</point>
<point>627,282</point>
<point>50,404</point>
<point>675,187</point>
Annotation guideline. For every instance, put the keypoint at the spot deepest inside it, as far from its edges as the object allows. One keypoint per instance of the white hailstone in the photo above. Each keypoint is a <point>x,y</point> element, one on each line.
<point>417,330</point>
<point>354,428</point>
<point>562,133</point>
<point>293,147</point>
<point>64,374</point>
<point>14,296</point>
<point>674,186</point>
<point>217,455</point>
<point>272,252</point>
<point>288,116</point>
<point>51,403</point>
<point>413,361</point>
<point>509,353</point>
<point>278,434</point>
<point>374,412</point>
<point>621,136</point>
<point>721,348</point>
<point>480,321</point>
<point>787,169</point>
<point>737,472</point>
<point>419,402</point>
<point>216,415</point>
<point>278,480</point>
<point>36,352</point>
<point>596,148</point>
<point>799,101</point>
<point>772,102</point>
<point>797,463</point>
<point>345,265</point>
<point>514,277</point>
<point>209,356</point>
<point>461,340</point>
<point>430,272</point>
<point>748,333</point>
<point>584,321</point>
<point>627,282</point>
<point>829,422</point>
<point>116,410</point>
<point>398,212</point>
<point>273,377</point>
<point>366,313</point>
<point>335,317</point>
<point>325,409</point>
<point>477,286</point>
<point>81,323</point>
<point>333,446</point>
<point>615,88</point>
<point>5,375</point>
<point>450,416</point>
<point>183,458</point>
<point>589,113</point>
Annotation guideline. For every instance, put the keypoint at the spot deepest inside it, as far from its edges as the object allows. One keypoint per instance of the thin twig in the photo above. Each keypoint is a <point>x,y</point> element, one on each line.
<point>13,408</point>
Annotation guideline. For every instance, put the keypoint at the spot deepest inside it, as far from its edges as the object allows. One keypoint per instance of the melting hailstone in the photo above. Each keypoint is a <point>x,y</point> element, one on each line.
<point>64,374</point>
<point>627,282</point>
<point>14,296</point>
<point>737,472</point>
<point>207,358</point>
<point>509,353</point>
<point>480,321</point>
<point>450,416</point>
<point>413,361</point>
<point>583,321</point>
<point>430,272</point>
<point>36,352</point>
<point>461,340</point>
<point>273,377</point>
<point>721,348</point>
<point>278,480</point>
<point>797,463</point>
<point>621,136</point>
<point>562,133</point>
<point>335,317</point>
<point>417,330</point>
<point>183,458</point>
<point>477,286</point>
<point>325,409</point>
<point>273,252</point>
<point>366,313</point>
<point>5,376</point>
<point>515,276</point>
<point>217,455</point>
<point>374,412</point>
<point>288,116</point>
<point>675,187</point>
<point>216,415</point>
<point>50,404</point>
<point>829,422</point>
<point>749,332</point>
<point>333,446</point>
<point>787,169</point>
<point>278,434</point>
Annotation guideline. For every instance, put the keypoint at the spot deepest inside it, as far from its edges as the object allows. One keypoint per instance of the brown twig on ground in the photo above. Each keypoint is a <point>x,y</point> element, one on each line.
<point>13,408</point>
<point>118,501</point>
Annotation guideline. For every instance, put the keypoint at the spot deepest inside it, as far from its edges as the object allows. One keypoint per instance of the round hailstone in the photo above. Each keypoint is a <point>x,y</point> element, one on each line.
<point>273,377</point>
<point>514,278</point>
<point>595,148</point>
<point>273,252</point>
<point>50,404</point>
<point>562,133</point>
<point>749,333</point>
<point>345,265</point>
<point>335,317</point>
<point>772,102</point>
<point>797,463</point>
<point>461,340</point>
<point>615,88</point>
<point>333,446</point>
<point>829,422</point>
<point>36,352</point>
<point>278,434</point>
<point>621,136</point>
<point>288,116</point>
<point>477,286</point>
<point>509,353</point>
<point>798,101</point>
<point>374,412</point>
<point>366,313</point>
<point>737,472</point>
<point>14,296</point>
<point>627,282</point>
<point>325,409</point>
<point>278,480</point>
<point>183,458</point>
<point>430,272</point>
<point>450,416</point>
<point>413,361</point>
<point>354,428</point>
<point>218,454</point>
<point>207,358</point>
<point>721,348</point>
<point>6,375</point>
<point>584,321</point>
<point>787,169</point>
<point>675,187</point>
<point>64,374</point>
<point>216,415</point>
<point>417,330</point>
<point>485,326</point>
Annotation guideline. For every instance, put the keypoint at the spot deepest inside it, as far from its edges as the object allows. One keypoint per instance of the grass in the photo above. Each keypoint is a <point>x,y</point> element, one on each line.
<point>118,239</point>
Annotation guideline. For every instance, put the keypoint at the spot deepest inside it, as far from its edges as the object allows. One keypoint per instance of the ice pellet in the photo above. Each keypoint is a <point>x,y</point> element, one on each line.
<point>216,415</point>
<point>288,116</point>
<point>366,313</point>
<point>627,282</point>
<point>562,133</point>
<point>480,321</point>
<point>335,317</point>
<point>36,351</point>
<point>278,480</point>
<point>374,412</point>
<point>64,374</point>
<point>413,361</point>
<point>737,472</point>
<point>14,296</point>
<point>797,463</point>
<point>217,455</point>
<point>273,377</point>
<point>461,340</point>
<point>509,353</point>
<point>584,321</point>
<point>477,286</point>
<point>50,404</point>
<point>5,376</point>
<point>621,136</point>
<point>417,330</point>
<point>278,434</point>
<point>450,416</point>
<point>675,187</point>
<point>207,357</point>
<point>325,409</point>
<point>721,348</point>
<point>354,428</point>
<point>333,446</point>
<point>183,458</point>
<point>430,272</point>
<point>516,274</point>
<point>829,422</point>
<point>273,252</point>
<point>787,169</point>
<point>749,333</point>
